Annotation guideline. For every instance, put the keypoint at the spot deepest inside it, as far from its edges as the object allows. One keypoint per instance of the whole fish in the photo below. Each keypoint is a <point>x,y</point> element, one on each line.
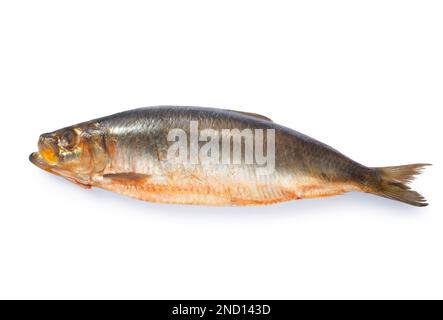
<point>130,153</point>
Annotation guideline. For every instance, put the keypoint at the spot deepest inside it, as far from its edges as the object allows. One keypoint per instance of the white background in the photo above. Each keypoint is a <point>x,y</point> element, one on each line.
<point>365,77</point>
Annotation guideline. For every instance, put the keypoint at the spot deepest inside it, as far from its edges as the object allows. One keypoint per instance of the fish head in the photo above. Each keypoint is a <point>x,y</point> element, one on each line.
<point>76,153</point>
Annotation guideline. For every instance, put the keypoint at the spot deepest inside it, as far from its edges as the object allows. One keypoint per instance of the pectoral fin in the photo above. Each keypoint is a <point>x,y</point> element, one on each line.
<point>127,178</point>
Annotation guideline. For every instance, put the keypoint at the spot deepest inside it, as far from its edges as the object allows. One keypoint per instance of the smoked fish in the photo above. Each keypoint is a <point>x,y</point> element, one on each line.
<point>132,153</point>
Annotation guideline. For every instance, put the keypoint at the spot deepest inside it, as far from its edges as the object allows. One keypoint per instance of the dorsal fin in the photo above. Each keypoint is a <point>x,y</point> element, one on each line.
<point>251,114</point>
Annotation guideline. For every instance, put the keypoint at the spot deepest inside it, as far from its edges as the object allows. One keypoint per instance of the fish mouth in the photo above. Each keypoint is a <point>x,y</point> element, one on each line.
<point>37,159</point>
<point>47,155</point>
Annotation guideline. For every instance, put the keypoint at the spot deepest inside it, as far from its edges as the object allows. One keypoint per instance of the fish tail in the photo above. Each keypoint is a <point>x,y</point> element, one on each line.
<point>393,183</point>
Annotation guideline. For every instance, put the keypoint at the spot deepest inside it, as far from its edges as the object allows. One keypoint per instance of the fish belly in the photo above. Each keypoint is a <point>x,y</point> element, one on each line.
<point>199,189</point>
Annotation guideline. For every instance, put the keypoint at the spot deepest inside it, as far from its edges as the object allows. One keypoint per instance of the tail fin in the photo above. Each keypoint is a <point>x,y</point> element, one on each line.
<point>394,183</point>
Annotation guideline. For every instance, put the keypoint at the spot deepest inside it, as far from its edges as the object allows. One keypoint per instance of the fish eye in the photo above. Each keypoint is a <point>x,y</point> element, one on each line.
<point>68,139</point>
